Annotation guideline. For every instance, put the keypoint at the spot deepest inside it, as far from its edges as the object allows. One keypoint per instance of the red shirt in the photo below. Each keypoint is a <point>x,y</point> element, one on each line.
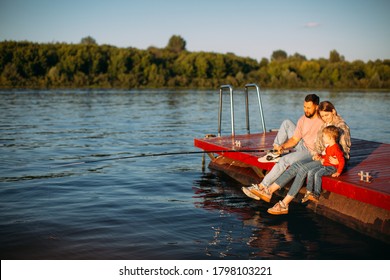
<point>337,152</point>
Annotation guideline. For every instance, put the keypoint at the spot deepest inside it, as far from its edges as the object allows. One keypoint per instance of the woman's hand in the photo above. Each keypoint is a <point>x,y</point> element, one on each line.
<point>334,161</point>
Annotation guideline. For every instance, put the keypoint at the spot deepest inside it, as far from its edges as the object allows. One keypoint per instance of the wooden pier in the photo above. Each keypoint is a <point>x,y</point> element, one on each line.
<point>358,198</point>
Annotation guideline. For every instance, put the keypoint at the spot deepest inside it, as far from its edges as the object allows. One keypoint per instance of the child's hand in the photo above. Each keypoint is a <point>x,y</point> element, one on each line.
<point>316,157</point>
<point>336,174</point>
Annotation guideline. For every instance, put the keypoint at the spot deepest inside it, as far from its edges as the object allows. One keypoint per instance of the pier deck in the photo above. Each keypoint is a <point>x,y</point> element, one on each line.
<point>366,156</point>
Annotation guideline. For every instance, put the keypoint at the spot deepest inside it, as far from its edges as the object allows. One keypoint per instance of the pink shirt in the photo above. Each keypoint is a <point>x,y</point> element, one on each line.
<point>307,130</point>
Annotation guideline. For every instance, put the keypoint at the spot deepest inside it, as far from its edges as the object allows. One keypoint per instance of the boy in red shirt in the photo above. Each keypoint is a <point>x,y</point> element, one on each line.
<point>331,135</point>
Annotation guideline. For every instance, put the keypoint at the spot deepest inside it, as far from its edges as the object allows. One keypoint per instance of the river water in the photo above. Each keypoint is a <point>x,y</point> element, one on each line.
<point>163,207</point>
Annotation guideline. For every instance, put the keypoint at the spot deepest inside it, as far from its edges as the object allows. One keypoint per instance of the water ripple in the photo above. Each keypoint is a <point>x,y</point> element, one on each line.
<point>153,207</point>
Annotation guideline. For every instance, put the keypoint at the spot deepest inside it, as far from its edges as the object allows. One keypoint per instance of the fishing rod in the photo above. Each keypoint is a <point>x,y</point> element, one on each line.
<point>164,154</point>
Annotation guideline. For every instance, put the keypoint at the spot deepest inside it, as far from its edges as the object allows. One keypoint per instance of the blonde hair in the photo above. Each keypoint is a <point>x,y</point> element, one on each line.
<point>332,131</point>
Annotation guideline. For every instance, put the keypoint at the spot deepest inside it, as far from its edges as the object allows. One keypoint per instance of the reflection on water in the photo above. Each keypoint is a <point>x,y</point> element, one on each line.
<point>155,207</point>
<point>300,235</point>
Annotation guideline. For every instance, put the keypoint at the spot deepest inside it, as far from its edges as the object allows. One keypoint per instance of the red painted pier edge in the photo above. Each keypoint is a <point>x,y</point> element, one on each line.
<point>364,206</point>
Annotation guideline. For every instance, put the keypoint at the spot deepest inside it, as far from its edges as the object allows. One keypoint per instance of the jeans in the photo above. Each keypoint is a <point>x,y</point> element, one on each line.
<point>314,177</point>
<point>299,170</point>
<point>285,132</point>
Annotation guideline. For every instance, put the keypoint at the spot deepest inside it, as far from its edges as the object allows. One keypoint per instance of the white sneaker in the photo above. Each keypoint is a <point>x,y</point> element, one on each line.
<point>270,157</point>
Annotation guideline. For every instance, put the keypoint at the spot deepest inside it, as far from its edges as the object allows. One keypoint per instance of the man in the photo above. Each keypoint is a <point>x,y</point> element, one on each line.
<point>301,137</point>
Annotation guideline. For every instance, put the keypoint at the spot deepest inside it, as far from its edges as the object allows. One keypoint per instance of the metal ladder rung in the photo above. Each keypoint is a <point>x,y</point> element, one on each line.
<point>230,88</point>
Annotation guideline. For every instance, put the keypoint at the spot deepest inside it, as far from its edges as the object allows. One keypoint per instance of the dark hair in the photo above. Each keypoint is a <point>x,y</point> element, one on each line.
<point>313,98</point>
<point>332,131</point>
<point>326,106</point>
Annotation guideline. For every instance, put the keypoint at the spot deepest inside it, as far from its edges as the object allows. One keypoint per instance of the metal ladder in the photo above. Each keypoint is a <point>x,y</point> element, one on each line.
<point>230,88</point>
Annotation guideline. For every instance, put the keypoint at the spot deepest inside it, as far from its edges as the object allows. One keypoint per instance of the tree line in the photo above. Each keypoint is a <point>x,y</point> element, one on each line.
<point>89,65</point>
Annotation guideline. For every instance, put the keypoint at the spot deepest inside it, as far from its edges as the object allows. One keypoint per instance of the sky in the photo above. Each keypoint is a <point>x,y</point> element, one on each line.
<point>356,29</point>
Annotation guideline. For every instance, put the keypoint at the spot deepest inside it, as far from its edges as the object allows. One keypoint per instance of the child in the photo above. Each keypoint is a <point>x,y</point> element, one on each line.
<point>314,176</point>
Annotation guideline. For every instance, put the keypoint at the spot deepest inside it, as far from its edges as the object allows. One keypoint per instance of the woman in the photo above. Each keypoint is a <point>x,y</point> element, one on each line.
<point>300,169</point>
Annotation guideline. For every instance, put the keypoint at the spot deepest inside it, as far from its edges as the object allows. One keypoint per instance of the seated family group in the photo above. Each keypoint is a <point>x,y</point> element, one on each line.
<point>322,144</point>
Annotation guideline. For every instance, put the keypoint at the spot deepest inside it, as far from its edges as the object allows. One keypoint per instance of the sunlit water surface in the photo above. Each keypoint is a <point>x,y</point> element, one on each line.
<point>163,207</point>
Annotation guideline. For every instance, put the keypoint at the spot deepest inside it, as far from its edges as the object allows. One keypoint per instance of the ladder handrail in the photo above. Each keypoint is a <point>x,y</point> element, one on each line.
<point>230,88</point>
<point>260,106</point>
<point>221,89</point>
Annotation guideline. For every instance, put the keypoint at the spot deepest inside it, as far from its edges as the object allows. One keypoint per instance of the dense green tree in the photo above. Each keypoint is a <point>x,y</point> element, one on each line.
<point>264,62</point>
<point>88,41</point>
<point>278,55</point>
<point>297,56</point>
<point>84,65</point>
<point>334,57</point>
<point>176,44</point>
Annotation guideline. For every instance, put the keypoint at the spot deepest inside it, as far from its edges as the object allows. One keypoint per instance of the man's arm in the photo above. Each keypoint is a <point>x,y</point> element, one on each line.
<point>290,143</point>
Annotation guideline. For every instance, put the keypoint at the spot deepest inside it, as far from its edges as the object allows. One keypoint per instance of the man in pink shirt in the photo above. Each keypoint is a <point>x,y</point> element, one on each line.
<point>301,137</point>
